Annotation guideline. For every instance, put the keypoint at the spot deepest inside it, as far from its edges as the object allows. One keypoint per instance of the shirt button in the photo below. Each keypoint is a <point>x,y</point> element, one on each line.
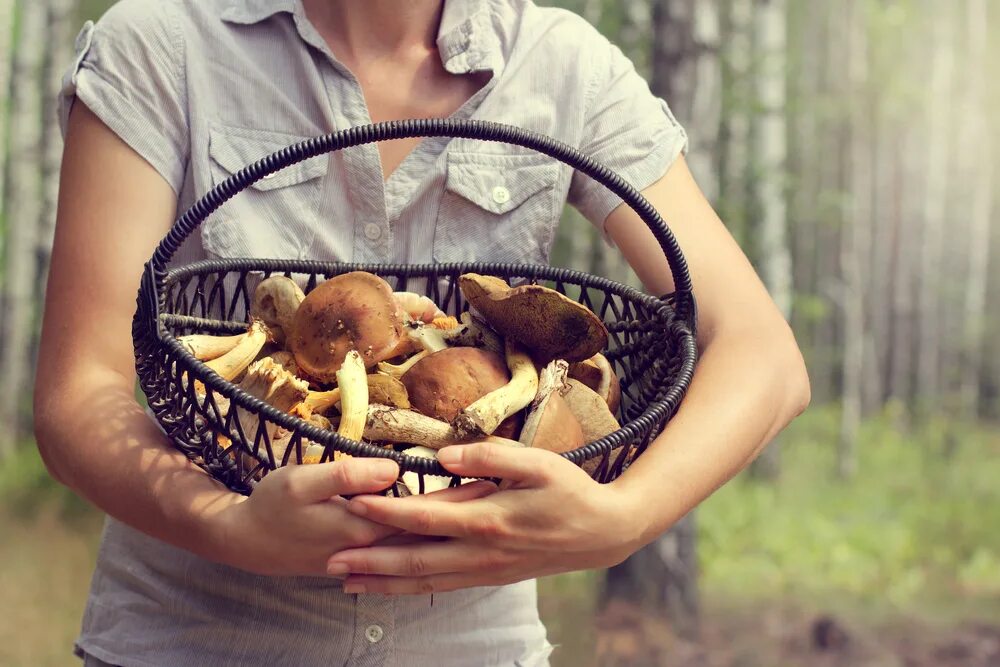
<point>501,195</point>
<point>373,231</point>
<point>374,633</point>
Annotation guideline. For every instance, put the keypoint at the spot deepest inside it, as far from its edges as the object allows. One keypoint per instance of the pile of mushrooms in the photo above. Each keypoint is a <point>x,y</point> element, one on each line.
<point>523,368</point>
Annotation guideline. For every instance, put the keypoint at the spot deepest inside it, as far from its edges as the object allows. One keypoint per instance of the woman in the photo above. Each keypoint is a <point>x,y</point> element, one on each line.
<point>173,96</point>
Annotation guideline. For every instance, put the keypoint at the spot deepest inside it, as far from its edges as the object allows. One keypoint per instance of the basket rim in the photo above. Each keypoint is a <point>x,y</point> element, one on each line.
<point>331,441</point>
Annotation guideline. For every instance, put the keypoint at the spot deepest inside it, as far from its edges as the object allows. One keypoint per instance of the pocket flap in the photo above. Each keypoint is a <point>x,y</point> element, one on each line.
<point>499,183</point>
<point>235,148</point>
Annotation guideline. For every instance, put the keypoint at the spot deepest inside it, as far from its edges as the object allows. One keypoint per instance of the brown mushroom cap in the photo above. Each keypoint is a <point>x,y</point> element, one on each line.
<point>596,420</point>
<point>352,311</point>
<point>555,429</point>
<point>597,373</point>
<point>443,383</point>
<point>546,322</point>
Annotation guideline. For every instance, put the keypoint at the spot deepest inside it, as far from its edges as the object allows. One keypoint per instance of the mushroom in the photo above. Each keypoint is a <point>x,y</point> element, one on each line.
<point>598,374</point>
<point>548,323</point>
<point>388,424</point>
<point>353,385</point>
<point>232,364</point>
<point>550,423</point>
<point>275,302</point>
<point>205,348</point>
<point>398,370</point>
<point>286,360</point>
<point>269,382</point>
<point>441,384</point>
<point>473,332</point>
<point>352,311</point>
<point>418,306</point>
<point>596,420</point>
<point>484,415</point>
<point>382,388</point>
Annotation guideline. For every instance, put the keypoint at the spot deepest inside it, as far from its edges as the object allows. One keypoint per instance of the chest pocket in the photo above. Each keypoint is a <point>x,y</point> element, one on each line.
<point>276,217</point>
<point>497,208</point>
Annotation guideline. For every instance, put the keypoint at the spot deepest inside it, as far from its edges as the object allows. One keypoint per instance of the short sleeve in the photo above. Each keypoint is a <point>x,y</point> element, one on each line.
<point>626,128</point>
<point>127,70</point>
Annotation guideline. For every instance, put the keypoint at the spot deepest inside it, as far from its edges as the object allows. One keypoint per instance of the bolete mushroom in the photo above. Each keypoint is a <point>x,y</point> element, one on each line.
<point>551,325</point>
<point>353,385</point>
<point>352,311</point>
<point>440,385</point>
<point>598,374</point>
<point>205,347</point>
<point>484,415</point>
<point>550,423</point>
<point>591,411</point>
<point>275,302</point>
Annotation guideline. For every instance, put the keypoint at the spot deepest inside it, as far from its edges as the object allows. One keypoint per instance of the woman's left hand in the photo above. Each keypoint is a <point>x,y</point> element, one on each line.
<point>550,517</point>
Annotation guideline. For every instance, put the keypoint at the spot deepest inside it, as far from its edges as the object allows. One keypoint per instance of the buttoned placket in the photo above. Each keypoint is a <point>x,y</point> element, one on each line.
<point>374,630</point>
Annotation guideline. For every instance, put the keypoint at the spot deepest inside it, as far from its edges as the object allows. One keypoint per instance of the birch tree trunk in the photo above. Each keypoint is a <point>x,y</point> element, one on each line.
<point>981,176</point>
<point>6,60</point>
<point>663,575</point>
<point>940,127</point>
<point>24,188</point>
<point>855,241</point>
<point>733,153</point>
<point>769,156</point>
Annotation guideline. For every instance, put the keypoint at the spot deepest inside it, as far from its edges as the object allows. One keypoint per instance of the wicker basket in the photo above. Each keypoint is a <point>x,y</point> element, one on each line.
<point>651,344</point>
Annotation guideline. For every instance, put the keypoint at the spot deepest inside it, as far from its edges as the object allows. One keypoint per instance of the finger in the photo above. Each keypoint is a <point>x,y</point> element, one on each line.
<point>307,484</point>
<point>469,491</point>
<point>420,560</point>
<point>434,583</point>
<point>487,459</point>
<point>426,516</point>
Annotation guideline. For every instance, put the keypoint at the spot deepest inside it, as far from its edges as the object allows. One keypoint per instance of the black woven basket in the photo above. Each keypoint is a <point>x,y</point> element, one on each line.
<point>652,343</point>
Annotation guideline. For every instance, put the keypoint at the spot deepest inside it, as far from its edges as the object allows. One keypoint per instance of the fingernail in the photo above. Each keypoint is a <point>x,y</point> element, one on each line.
<point>336,567</point>
<point>450,455</point>
<point>357,508</point>
<point>384,470</point>
<point>354,589</point>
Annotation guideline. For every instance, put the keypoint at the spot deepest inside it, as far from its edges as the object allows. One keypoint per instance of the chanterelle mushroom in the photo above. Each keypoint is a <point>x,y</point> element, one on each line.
<point>352,311</point>
<point>442,384</point>
<point>272,384</point>
<point>551,325</point>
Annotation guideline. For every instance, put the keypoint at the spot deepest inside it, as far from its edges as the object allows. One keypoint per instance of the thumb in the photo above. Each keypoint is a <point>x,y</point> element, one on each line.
<point>306,484</point>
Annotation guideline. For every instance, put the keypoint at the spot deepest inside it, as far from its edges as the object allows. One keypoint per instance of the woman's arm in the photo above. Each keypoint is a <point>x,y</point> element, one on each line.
<point>96,439</point>
<point>749,384</point>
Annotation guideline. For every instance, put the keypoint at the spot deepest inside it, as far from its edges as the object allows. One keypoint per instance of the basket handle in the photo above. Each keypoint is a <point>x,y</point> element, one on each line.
<point>404,129</point>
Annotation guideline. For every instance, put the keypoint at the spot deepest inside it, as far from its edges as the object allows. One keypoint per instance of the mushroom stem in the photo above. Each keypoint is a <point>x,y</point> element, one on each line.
<point>551,424</point>
<point>397,370</point>
<point>206,348</point>
<point>231,364</point>
<point>473,332</point>
<point>381,389</point>
<point>275,302</point>
<point>483,416</point>
<point>353,384</point>
<point>390,424</point>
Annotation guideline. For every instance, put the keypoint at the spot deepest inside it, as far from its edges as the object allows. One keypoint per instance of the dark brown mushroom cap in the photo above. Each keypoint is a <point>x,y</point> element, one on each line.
<point>549,324</point>
<point>352,311</point>
<point>594,417</point>
<point>443,383</point>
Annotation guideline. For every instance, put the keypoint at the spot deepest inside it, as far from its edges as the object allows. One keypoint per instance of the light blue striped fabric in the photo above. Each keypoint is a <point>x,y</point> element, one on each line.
<point>202,88</point>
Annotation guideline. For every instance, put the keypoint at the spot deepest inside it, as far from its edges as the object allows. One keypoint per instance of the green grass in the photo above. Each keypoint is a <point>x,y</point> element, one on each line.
<point>916,529</point>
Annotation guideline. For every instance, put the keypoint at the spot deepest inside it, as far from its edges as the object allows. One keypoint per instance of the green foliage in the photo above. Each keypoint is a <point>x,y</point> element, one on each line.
<point>915,525</point>
<point>26,488</point>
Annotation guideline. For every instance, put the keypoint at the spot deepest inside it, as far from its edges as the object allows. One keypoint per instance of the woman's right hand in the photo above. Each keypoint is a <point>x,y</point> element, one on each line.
<point>295,520</point>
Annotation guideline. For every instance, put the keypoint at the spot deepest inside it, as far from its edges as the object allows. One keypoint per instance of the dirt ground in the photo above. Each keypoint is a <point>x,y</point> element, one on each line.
<point>779,636</point>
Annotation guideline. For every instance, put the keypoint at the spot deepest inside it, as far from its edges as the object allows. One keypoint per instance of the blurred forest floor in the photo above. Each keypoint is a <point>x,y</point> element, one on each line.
<point>899,567</point>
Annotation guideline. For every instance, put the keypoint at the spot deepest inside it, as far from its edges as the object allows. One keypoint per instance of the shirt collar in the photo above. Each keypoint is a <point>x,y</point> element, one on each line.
<point>467,38</point>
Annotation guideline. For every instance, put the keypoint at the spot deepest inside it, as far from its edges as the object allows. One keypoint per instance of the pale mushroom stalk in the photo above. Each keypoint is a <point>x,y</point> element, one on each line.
<point>398,370</point>
<point>381,389</point>
<point>550,423</point>
<point>205,348</point>
<point>353,384</point>
<point>275,302</point>
<point>388,424</point>
<point>483,416</point>
<point>231,364</point>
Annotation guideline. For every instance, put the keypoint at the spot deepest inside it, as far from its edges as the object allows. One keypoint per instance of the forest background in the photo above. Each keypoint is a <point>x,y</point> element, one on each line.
<point>850,148</point>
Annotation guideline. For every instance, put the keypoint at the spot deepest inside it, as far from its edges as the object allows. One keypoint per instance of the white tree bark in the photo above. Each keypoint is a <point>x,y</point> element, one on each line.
<point>940,134</point>
<point>22,224</point>
<point>855,242</point>
<point>981,176</point>
<point>6,60</point>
